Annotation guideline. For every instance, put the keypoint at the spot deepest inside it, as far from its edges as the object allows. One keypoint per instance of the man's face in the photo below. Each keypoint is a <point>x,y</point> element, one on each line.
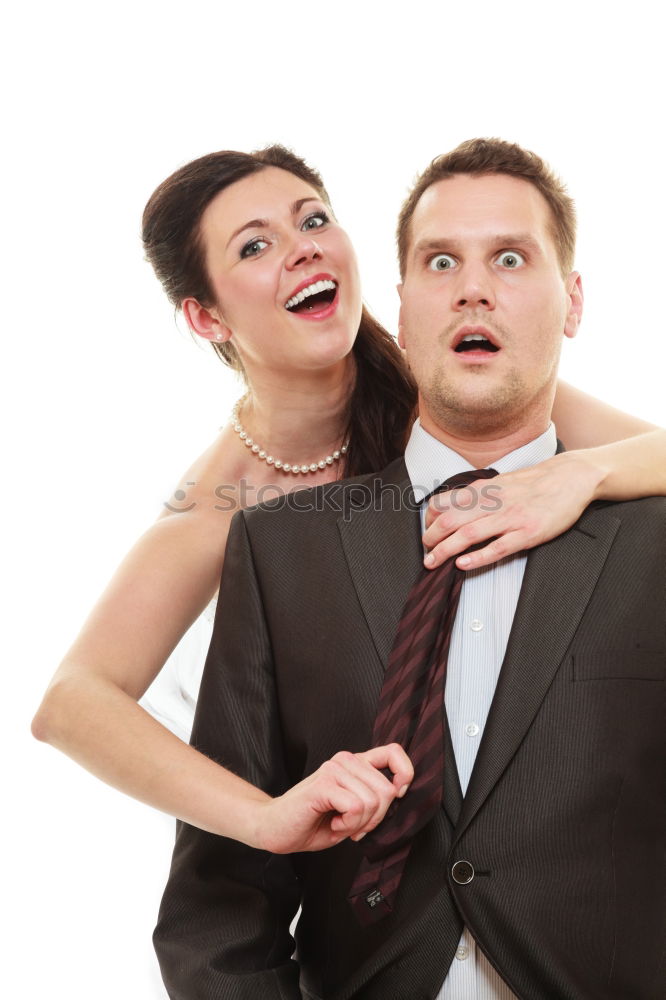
<point>484,305</point>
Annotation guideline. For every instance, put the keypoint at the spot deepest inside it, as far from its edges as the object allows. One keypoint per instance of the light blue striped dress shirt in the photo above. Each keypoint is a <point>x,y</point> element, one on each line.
<point>478,643</point>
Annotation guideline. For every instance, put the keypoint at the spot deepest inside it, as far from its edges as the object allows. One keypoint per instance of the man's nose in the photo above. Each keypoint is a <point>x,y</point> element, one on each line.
<point>304,249</point>
<point>474,288</point>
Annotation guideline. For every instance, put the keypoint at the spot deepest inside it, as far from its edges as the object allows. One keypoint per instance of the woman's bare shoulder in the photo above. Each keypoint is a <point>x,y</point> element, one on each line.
<point>164,582</point>
<point>212,484</point>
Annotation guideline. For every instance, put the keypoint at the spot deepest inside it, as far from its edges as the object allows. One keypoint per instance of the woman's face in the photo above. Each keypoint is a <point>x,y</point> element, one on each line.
<point>284,274</point>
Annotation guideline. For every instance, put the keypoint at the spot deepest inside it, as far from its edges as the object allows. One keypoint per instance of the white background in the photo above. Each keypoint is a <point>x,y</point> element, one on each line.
<point>107,401</point>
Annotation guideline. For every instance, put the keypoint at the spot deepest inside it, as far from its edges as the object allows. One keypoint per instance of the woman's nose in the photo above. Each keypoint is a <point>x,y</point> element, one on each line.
<point>304,250</point>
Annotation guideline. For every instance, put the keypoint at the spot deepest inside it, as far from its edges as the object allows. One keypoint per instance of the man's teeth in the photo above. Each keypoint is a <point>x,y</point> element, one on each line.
<point>473,336</point>
<point>314,289</point>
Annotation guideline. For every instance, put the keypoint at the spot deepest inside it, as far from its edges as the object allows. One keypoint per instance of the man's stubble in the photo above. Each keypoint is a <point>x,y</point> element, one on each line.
<point>491,411</point>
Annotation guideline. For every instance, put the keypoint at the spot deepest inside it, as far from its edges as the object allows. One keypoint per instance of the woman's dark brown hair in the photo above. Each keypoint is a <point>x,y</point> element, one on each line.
<point>383,399</point>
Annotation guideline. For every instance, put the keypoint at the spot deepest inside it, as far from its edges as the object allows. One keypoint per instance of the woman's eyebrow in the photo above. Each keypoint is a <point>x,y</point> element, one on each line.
<point>261,223</point>
<point>252,224</point>
<point>298,205</point>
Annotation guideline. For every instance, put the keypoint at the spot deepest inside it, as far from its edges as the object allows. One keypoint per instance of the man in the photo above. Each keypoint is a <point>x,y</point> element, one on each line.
<point>539,876</point>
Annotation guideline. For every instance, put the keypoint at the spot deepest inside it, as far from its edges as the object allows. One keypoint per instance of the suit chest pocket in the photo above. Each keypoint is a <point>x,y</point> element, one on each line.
<point>617,664</point>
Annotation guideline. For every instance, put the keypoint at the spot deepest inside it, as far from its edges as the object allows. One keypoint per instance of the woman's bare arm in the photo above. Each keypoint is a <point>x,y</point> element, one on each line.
<point>90,712</point>
<point>613,456</point>
<point>585,422</point>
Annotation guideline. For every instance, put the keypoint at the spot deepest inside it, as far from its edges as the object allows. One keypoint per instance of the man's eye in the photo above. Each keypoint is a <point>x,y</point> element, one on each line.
<point>441,262</point>
<point>252,248</point>
<point>315,221</point>
<point>511,259</point>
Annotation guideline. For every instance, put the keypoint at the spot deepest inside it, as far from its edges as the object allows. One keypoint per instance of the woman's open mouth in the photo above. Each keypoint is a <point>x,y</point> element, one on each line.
<point>315,300</point>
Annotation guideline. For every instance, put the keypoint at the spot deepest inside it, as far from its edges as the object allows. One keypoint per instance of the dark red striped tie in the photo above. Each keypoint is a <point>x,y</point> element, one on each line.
<point>411,712</point>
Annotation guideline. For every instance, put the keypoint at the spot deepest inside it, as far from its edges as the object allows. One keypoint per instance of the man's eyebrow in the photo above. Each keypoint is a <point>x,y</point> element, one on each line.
<point>262,223</point>
<point>506,240</point>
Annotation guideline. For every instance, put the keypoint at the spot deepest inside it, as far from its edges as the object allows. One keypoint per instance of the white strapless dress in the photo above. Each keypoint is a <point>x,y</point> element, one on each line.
<point>172,696</point>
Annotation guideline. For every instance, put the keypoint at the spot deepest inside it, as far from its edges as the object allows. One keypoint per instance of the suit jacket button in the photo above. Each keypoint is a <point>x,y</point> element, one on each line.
<point>462,872</point>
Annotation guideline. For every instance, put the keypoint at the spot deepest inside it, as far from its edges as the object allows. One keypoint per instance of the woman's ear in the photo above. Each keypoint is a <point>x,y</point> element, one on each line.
<point>205,322</point>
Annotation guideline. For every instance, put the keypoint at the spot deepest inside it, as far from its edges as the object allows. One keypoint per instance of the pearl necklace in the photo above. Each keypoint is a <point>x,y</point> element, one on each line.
<point>263,455</point>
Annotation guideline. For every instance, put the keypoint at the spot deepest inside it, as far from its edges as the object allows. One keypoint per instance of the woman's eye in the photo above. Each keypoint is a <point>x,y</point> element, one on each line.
<point>252,248</point>
<point>315,221</point>
<point>510,259</point>
<point>441,262</point>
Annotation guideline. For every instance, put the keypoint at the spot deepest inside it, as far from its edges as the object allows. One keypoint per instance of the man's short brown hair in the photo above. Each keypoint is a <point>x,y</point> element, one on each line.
<point>495,156</point>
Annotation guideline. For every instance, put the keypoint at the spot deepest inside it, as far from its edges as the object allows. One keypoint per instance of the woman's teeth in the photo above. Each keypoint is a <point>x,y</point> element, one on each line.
<point>314,289</point>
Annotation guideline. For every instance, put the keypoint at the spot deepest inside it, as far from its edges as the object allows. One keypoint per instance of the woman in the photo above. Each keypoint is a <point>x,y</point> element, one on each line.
<point>248,248</point>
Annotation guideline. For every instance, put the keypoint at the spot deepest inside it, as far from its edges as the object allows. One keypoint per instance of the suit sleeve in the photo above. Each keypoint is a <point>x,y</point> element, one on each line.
<point>223,928</point>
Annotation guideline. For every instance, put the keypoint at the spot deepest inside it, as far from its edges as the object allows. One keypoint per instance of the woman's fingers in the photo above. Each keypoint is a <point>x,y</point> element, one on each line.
<point>452,529</point>
<point>503,540</point>
<point>394,757</point>
<point>499,548</point>
<point>346,797</point>
<point>465,503</point>
<point>371,794</point>
<point>526,508</point>
<point>374,793</point>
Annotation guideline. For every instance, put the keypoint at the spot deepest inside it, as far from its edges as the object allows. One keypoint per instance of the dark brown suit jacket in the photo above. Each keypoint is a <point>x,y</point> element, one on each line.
<point>563,821</point>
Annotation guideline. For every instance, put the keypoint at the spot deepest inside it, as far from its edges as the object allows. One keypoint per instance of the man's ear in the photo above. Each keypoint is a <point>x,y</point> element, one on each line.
<point>401,328</point>
<point>205,322</point>
<point>575,311</point>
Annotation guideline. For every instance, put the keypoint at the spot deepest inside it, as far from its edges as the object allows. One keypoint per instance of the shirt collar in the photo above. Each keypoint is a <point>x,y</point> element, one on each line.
<point>429,462</point>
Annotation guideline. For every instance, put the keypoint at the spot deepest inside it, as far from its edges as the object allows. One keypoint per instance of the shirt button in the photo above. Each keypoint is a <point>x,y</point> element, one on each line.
<point>472,729</point>
<point>476,625</point>
<point>462,953</point>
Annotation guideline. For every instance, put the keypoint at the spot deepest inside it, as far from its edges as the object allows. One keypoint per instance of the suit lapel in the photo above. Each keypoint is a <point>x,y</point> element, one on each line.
<point>381,541</point>
<point>559,581</point>
<point>382,545</point>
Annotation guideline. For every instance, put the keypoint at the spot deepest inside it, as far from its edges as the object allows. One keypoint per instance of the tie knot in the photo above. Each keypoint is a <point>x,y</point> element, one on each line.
<point>462,479</point>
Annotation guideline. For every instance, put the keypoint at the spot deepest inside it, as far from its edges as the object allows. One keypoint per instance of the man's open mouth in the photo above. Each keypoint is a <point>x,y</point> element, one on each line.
<point>318,295</point>
<point>475,342</point>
